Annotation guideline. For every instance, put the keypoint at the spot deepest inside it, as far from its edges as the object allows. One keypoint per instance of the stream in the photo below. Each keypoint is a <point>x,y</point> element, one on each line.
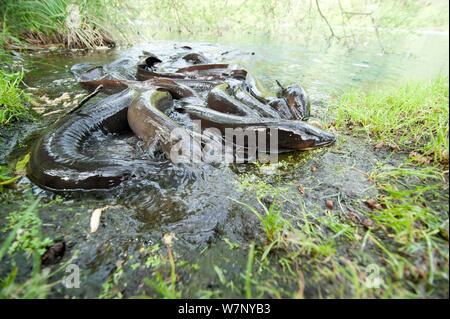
<point>196,205</point>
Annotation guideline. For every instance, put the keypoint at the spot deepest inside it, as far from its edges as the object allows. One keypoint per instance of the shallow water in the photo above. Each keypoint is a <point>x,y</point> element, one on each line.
<point>194,203</point>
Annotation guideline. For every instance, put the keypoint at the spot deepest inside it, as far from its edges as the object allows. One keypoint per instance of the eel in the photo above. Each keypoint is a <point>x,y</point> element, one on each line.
<point>195,58</point>
<point>209,72</point>
<point>241,92</point>
<point>220,100</point>
<point>147,120</point>
<point>292,135</point>
<point>57,161</point>
<point>296,98</point>
<point>176,88</point>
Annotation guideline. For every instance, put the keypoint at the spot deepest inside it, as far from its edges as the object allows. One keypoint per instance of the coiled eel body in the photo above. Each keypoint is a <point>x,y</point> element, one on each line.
<point>57,161</point>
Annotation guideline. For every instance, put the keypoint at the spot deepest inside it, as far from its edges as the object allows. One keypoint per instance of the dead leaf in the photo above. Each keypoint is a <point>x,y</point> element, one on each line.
<point>95,219</point>
<point>35,103</point>
<point>292,237</point>
<point>371,203</point>
<point>368,222</point>
<point>168,239</point>
<point>379,145</point>
<point>394,147</point>
<point>329,203</point>
<point>300,188</point>
<point>418,158</point>
<point>53,253</point>
<point>52,112</point>
<point>313,169</point>
<point>316,124</point>
<point>354,218</point>
<point>96,215</point>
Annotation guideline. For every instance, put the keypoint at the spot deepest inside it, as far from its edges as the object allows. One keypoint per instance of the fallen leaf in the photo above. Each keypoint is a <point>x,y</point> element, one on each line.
<point>95,219</point>
<point>354,218</point>
<point>300,188</point>
<point>292,237</point>
<point>52,112</point>
<point>9,181</point>
<point>379,145</point>
<point>168,239</point>
<point>371,203</point>
<point>368,222</point>
<point>21,165</point>
<point>96,216</point>
<point>313,169</point>
<point>35,103</point>
<point>329,203</point>
<point>53,253</point>
<point>418,158</point>
<point>316,124</point>
<point>394,147</point>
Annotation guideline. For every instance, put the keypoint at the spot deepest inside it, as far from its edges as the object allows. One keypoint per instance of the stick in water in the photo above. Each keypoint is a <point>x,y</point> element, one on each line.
<point>279,84</point>
<point>87,98</point>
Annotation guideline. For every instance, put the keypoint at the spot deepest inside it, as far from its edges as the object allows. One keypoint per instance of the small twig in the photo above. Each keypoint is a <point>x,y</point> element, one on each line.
<point>87,98</point>
<point>352,13</point>
<point>325,19</point>
<point>377,33</point>
<point>279,84</point>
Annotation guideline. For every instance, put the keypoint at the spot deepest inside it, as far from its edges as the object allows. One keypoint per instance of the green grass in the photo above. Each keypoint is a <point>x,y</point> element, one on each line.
<point>414,116</point>
<point>13,100</point>
<point>326,254</point>
<point>331,256</point>
<point>24,235</point>
<point>76,24</point>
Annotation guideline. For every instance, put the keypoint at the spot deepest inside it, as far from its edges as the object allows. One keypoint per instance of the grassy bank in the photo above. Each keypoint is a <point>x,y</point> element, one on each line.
<point>394,245</point>
<point>390,241</point>
<point>13,100</point>
<point>412,118</point>
<point>72,24</point>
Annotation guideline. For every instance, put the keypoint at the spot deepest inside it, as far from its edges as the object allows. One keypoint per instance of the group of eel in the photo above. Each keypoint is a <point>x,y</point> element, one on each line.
<point>216,96</point>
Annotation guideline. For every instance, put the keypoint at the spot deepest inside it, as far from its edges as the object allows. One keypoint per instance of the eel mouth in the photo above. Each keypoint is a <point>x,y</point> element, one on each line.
<point>331,139</point>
